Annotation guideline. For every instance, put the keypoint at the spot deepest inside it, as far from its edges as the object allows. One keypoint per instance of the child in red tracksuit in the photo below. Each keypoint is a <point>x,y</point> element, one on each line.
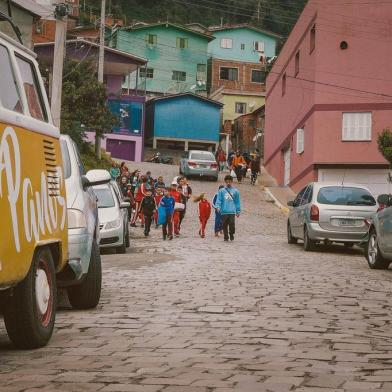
<point>158,198</point>
<point>204,210</point>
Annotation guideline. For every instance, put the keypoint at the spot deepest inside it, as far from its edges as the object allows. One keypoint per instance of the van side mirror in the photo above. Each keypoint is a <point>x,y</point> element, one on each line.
<point>125,204</point>
<point>385,200</point>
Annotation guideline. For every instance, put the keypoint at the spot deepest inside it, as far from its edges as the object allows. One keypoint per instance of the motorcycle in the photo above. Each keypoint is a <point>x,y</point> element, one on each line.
<point>161,159</point>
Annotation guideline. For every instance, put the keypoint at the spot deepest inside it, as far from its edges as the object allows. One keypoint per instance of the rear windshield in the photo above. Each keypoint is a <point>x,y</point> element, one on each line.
<point>202,156</point>
<point>345,196</point>
<point>105,198</point>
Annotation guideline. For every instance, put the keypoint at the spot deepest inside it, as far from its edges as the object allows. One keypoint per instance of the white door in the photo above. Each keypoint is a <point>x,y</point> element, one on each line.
<point>374,179</point>
<point>287,156</point>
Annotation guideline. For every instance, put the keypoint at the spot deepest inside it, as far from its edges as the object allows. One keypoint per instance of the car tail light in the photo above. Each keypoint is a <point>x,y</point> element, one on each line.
<point>314,213</point>
<point>214,165</point>
<point>192,164</point>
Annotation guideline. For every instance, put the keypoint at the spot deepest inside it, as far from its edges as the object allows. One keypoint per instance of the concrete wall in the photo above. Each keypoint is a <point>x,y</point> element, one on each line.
<point>229,102</point>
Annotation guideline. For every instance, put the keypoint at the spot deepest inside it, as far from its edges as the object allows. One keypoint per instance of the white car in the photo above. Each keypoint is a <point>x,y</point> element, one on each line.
<point>83,274</point>
<point>113,218</point>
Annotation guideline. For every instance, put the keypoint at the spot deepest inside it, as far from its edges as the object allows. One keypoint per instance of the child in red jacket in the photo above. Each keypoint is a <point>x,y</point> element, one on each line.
<point>204,210</point>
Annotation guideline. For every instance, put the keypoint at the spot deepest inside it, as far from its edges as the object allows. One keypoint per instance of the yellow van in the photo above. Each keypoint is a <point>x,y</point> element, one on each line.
<point>33,211</point>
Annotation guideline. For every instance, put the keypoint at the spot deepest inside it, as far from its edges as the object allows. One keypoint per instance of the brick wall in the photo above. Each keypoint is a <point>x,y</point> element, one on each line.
<point>244,82</point>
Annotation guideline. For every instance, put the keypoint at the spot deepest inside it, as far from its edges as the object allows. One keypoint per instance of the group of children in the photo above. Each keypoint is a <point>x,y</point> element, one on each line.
<point>154,202</point>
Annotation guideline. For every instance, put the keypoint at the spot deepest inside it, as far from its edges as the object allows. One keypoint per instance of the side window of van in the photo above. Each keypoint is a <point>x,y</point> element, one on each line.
<point>32,89</point>
<point>9,94</point>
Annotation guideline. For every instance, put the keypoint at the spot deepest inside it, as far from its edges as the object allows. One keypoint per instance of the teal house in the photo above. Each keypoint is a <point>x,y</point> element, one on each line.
<point>177,58</point>
<point>241,43</point>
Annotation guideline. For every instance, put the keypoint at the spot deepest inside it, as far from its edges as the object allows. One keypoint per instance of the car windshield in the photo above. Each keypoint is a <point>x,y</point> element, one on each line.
<point>345,196</point>
<point>202,156</point>
<point>105,197</point>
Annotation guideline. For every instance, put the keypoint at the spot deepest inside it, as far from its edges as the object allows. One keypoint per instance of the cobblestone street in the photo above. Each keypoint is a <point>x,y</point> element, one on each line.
<point>201,315</point>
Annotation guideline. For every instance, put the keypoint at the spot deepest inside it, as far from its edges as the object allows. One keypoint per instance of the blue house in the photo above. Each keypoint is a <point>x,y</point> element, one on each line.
<point>183,121</point>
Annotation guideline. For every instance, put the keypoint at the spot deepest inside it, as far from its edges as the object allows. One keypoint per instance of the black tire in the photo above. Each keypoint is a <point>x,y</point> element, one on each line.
<point>348,244</point>
<point>87,294</point>
<point>27,326</point>
<point>127,243</point>
<point>123,247</point>
<point>290,239</point>
<point>309,245</point>
<point>372,253</point>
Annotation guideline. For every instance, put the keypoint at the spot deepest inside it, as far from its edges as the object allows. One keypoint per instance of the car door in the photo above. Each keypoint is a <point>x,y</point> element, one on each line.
<point>303,209</point>
<point>294,216</point>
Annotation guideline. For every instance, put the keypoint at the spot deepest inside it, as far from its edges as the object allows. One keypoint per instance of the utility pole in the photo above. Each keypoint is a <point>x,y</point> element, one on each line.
<point>258,10</point>
<point>101,60</point>
<point>58,62</point>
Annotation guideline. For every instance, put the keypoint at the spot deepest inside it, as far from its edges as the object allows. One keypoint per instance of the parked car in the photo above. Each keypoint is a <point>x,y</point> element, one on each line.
<point>33,229</point>
<point>330,213</point>
<point>378,250</point>
<point>83,276</point>
<point>113,218</point>
<point>199,163</point>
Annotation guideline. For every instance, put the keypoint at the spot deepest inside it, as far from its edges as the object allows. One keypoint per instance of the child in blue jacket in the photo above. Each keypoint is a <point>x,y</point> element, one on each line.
<point>168,203</point>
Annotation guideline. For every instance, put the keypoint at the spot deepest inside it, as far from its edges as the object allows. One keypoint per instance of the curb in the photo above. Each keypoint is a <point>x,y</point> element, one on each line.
<point>276,201</point>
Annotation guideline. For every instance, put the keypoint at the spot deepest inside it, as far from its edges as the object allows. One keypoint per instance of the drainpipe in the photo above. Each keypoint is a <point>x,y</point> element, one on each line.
<point>137,80</point>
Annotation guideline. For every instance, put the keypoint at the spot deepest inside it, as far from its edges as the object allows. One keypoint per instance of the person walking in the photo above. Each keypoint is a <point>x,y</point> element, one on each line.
<point>220,157</point>
<point>204,212</point>
<point>254,169</point>
<point>159,183</point>
<point>140,193</point>
<point>115,171</point>
<point>218,228</point>
<point>167,202</point>
<point>228,204</point>
<point>239,164</point>
<point>148,208</point>
<point>186,191</point>
<point>176,215</point>
<point>158,197</point>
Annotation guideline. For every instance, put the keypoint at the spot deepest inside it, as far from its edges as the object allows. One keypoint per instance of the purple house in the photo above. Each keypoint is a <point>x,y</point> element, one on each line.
<point>125,141</point>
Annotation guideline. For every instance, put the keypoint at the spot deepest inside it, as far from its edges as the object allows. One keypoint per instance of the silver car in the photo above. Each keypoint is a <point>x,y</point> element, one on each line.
<point>199,163</point>
<point>83,275</point>
<point>378,251</point>
<point>330,213</point>
<point>113,218</point>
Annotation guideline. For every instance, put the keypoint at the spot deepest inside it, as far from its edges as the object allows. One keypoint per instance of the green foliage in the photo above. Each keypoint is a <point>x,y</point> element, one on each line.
<point>277,16</point>
<point>84,102</point>
<point>385,144</point>
<point>91,162</point>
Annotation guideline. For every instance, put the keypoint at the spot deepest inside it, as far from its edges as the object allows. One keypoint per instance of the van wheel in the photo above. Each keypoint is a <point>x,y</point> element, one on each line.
<point>123,247</point>
<point>127,244</point>
<point>290,238</point>
<point>87,294</point>
<point>373,254</point>
<point>30,312</point>
<point>309,245</point>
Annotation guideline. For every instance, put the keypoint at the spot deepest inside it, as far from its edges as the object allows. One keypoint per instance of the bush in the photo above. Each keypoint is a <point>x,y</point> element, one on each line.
<point>385,144</point>
<point>91,162</point>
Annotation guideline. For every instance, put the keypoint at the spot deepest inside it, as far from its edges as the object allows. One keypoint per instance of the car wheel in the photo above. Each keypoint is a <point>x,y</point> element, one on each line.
<point>87,294</point>
<point>290,238</point>
<point>309,244</point>
<point>373,254</point>
<point>123,247</point>
<point>127,244</point>
<point>30,312</point>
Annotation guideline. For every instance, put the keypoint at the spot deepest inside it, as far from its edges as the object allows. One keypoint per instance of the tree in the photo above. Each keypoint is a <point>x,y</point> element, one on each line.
<point>84,103</point>
<point>385,144</point>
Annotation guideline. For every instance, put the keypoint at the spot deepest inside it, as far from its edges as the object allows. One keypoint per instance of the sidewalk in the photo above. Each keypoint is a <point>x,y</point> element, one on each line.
<point>280,195</point>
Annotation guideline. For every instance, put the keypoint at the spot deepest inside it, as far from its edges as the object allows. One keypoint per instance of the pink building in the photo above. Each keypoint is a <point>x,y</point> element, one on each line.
<point>329,94</point>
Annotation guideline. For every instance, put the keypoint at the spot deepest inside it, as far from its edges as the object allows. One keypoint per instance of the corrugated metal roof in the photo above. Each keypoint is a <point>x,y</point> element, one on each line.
<point>243,26</point>
<point>185,95</point>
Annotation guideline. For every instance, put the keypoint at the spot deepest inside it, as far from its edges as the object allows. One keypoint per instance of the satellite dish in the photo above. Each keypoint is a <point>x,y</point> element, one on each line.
<point>193,87</point>
<point>252,104</point>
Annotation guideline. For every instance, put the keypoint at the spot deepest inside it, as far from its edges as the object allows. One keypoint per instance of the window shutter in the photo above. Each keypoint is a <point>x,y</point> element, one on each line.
<point>357,126</point>
<point>300,141</point>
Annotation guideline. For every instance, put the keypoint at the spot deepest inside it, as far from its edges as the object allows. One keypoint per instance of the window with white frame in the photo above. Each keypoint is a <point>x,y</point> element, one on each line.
<point>357,126</point>
<point>240,107</point>
<point>258,46</point>
<point>300,140</point>
<point>226,43</point>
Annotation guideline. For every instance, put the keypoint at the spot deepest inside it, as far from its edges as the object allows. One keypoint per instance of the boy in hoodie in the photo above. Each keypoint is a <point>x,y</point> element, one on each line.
<point>168,203</point>
<point>148,208</point>
<point>228,204</point>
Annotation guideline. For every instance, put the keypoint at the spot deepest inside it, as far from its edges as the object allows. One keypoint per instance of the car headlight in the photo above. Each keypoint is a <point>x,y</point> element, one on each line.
<point>76,219</point>
<point>113,224</point>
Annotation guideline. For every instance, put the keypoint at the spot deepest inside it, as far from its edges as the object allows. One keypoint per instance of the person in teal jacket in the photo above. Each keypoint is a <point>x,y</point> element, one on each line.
<point>228,204</point>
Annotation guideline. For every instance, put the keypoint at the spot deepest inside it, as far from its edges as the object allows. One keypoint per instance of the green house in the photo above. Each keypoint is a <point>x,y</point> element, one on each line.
<point>177,57</point>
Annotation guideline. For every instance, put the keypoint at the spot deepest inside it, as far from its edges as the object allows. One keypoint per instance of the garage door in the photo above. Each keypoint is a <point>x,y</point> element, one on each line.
<point>374,179</point>
<point>121,149</point>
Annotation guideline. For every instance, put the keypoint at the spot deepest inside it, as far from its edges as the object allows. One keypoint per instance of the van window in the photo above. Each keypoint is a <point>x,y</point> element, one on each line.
<point>345,196</point>
<point>9,94</point>
<point>32,90</point>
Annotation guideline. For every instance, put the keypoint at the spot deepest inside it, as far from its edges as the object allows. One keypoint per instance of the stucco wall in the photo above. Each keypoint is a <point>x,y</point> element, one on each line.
<point>229,105</point>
